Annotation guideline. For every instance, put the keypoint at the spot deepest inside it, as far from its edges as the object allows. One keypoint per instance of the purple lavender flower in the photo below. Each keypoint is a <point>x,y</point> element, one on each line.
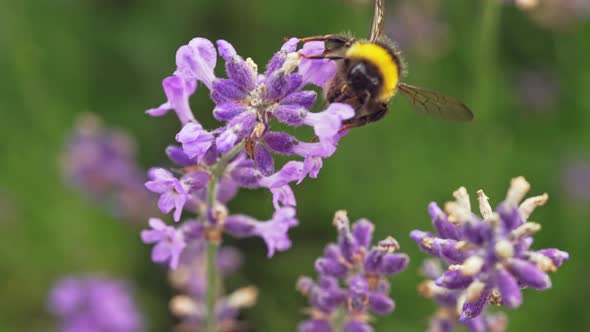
<point>169,242</point>
<point>174,192</point>
<point>362,269</point>
<point>447,316</point>
<point>490,258</point>
<point>246,102</point>
<point>94,304</point>
<point>214,164</point>
<point>195,140</point>
<point>101,162</point>
<point>274,231</point>
<point>178,92</point>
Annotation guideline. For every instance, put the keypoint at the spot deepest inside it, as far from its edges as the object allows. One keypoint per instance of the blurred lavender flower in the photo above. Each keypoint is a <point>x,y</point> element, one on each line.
<point>101,162</point>
<point>446,317</point>
<point>362,269</point>
<point>94,304</point>
<point>557,14</point>
<point>490,258</point>
<point>575,178</point>
<point>538,90</point>
<point>190,279</point>
<point>417,27</point>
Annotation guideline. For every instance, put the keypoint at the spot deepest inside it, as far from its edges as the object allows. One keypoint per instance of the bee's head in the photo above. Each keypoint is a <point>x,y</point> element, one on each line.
<point>337,44</point>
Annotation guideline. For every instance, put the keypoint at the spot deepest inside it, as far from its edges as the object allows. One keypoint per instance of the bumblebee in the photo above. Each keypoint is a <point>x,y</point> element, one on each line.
<point>368,76</point>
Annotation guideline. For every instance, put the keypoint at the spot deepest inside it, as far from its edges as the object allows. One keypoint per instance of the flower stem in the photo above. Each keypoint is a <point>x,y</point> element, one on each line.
<point>211,286</point>
<point>214,241</point>
<point>486,60</point>
<point>226,158</point>
<point>339,320</point>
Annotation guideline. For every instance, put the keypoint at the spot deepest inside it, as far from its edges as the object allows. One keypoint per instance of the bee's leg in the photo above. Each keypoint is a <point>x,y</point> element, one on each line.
<point>332,43</point>
<point>314,38</point>
<point>322,56</point>
<point>378,114</point>
<point>326,38</point>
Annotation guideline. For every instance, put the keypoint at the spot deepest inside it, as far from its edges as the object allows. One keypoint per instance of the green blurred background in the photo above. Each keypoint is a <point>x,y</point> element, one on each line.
<point>525,74</point>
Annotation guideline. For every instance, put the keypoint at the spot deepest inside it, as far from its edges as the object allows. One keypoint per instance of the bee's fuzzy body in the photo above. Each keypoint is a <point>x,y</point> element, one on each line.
<point>366,79</point>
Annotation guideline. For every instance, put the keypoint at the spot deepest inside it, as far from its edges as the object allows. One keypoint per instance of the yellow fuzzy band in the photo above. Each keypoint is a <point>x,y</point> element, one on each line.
<point>382,59</point>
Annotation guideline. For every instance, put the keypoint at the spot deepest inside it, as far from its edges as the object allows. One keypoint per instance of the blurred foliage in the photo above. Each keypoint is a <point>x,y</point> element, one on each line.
<point>62,57</point>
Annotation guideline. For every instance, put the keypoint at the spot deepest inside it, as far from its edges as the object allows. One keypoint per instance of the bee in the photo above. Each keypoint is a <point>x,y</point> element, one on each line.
<point>368,76</point>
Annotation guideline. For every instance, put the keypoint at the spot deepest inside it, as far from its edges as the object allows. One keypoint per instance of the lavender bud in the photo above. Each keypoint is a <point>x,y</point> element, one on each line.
<point>529,274</point>
<point>362,231</point>
<point>381,303</point>
<point>281,143</point>
<point>557,256</point>
<point>454,279</point>
<point>509,289</point>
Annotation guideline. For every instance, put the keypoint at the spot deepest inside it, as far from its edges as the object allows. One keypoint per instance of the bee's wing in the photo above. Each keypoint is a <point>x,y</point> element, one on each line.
<point>436,104</point>
<point>378,20</point>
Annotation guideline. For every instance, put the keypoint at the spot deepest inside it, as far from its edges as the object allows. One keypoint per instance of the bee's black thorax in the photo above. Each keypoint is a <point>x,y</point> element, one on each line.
<point>363,77</point>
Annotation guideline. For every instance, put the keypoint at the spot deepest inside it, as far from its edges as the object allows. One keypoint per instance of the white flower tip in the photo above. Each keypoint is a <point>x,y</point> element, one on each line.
<point>182,306</point>
<point>253,66</point>
<point>460,302</point>
<point>389,245</point>
<point>519,186</point>
<point>504,249</point>
<point>474,291</point>
<point>543,262</point>
<point>462,198</point>
<point>291,63</point>
<point>525,230</point>
<point>245,297</point>
<point>259,129</point>
<point>428,288</point>
<point>484,205</point>
<point>455,267</point>
<point>472,265</point>
<point>527,4</point>
<point>219,213</point>
<point>456,212</point>
<point>341,219</point>
<point>528,206</point>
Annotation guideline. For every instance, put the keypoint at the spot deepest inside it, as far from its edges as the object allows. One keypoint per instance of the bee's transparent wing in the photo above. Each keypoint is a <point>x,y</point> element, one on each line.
<point>378,20</point>
<point>436,104</point>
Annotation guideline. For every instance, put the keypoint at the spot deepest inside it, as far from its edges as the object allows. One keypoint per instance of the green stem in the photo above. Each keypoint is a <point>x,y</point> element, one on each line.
<point>213,244</point>
<point>486,66</point>
<point>211,286</point>
<point>339,319</point>
<point>226,158</point>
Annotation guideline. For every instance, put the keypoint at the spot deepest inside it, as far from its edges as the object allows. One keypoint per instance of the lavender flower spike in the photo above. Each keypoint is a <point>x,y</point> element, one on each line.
<point>362,269</point>
<point>490,258</point>
<point>213,164</point>
<point>95,304</point>
<point>446,316</point>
